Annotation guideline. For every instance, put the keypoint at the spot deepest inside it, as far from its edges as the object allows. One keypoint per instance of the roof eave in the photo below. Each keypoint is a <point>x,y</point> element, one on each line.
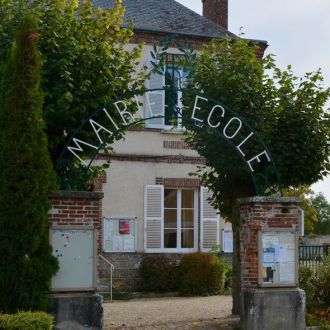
<point>204,36</point>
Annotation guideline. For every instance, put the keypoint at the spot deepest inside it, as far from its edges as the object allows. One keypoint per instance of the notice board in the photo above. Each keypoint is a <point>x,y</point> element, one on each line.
<point>75,250</point>
<point>278,258</point>
<point>119,234</point>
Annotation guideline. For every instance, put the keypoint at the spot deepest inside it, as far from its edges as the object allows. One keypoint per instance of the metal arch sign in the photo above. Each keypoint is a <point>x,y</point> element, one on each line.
<point>220,120</point>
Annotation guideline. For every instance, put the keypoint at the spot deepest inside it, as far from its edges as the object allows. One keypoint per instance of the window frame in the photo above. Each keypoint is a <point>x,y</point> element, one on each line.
<point>104,234</point>
<point>179,223</point>
<point>173,62</point>
<point>179,104</point>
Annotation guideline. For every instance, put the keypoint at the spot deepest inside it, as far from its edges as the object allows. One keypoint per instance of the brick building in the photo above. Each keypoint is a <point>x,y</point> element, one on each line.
<point>151,204</point>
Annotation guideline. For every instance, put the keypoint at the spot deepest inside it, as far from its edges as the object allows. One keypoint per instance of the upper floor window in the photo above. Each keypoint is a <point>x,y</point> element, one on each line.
<point>168,102</point>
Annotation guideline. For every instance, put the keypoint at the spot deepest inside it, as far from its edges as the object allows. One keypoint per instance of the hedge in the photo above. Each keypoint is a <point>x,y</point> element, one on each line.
<point>26,321</point>
<point>201,274</point>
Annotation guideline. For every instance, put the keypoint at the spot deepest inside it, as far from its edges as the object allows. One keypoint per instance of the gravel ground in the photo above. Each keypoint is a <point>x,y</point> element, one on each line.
<point>170,313</point>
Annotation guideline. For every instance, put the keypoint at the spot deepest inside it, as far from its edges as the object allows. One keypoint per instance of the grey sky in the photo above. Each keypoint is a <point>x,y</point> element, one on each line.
<point>297,31</point>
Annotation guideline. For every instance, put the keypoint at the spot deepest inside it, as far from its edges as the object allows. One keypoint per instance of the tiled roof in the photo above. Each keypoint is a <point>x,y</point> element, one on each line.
<point>167,16</point>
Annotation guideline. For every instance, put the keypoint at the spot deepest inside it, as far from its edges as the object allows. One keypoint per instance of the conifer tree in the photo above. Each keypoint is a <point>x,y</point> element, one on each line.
<point>26,179</point>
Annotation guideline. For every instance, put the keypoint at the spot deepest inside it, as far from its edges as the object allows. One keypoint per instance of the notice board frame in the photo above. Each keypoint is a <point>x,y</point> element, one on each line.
<point>292,230</point>
<point>133,219</point>
<point>95,256</point>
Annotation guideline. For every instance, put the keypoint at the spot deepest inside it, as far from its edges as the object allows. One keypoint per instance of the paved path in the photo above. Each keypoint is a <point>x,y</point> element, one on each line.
<point>170,313</point>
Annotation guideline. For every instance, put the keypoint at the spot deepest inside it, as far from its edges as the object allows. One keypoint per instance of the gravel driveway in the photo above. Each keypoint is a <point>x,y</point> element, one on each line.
<point>170,313</point>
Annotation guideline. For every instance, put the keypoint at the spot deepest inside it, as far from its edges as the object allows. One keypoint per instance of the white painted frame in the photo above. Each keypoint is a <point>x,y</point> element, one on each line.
<point>145,221</point>
<point>202,223</point>
<point>196,213</point>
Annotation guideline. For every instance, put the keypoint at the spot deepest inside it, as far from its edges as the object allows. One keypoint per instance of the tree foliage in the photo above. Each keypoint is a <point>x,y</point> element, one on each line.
<point>26,179</point>
<point>287,112</point>
<point>322,208</point>
<point>85,62</point>
<point>311,215</point>
<point>316,208</point>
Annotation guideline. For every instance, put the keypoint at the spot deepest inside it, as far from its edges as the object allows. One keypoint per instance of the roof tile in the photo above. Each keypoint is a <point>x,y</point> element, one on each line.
<point>167,16</point>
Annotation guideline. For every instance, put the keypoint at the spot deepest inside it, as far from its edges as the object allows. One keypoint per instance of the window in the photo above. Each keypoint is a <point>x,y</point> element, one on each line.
<point>227,241</point>
<point>171,220</point>
<point>166,102</point>
<point>180,215</point>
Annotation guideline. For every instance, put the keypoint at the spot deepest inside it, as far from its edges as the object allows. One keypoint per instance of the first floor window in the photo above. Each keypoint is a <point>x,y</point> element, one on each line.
<point>180,215</point>
<point>173,221</point>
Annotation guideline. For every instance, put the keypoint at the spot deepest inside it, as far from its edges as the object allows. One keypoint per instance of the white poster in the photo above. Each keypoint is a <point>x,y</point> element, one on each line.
<point>227,241</point>
<point>287,272</point>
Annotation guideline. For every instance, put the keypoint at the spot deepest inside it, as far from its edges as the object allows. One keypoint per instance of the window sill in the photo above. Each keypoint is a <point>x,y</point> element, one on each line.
<point>180,251</point>
<point>175,131</point>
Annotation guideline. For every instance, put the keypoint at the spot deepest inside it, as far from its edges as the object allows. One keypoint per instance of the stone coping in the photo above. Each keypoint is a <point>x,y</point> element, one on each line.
<point>269,199</point>
<point>77,194</point>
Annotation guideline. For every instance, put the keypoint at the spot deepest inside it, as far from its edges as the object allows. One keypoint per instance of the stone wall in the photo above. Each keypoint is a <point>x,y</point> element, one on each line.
<point>126,277</point>
<point>315,240</point>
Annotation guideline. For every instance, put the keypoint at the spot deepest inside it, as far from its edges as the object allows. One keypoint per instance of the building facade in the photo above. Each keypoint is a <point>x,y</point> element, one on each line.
<point>151,203</point>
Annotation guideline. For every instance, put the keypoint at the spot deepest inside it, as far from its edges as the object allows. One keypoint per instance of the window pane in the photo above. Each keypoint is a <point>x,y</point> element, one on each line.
<point>170,238</point>
<point>187,238</point>
<point>170,218</point>
<point>187,199</point>
<point>170,198</point>
<point>187,218</point>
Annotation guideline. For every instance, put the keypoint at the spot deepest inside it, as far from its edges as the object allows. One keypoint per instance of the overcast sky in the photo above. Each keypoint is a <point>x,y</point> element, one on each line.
<point>297,31</point>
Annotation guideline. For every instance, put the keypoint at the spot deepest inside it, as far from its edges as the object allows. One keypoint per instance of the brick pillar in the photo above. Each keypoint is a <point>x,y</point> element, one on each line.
<point>267,308</point>
<point>76,209</point>
<point>255,213</point>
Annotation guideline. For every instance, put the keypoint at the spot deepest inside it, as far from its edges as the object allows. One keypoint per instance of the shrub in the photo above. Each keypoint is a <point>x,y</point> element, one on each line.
<point>158,274</point>
<point>200,274</point>
<point>26,321</point>
<point>228,277</point>
<point>307,283</point>
<point>228,285</point>
<point>323,282</point>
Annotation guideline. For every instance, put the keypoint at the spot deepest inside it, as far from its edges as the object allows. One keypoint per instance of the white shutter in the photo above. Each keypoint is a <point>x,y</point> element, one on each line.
<point>154,102</point>
<point>209,222</point>
<point>153,218</point>
<point>107,229</point>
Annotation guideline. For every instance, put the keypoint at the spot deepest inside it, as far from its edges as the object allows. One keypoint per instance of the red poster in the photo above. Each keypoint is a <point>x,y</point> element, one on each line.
<point>124,227</point>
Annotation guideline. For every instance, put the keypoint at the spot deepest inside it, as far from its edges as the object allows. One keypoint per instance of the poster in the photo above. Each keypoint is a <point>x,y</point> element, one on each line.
<point>287,272</point>
<point>124,227</point>
<point>269,255</point>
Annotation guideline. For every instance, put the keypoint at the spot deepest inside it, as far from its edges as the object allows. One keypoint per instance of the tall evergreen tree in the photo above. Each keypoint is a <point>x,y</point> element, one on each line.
<point>26,179</point>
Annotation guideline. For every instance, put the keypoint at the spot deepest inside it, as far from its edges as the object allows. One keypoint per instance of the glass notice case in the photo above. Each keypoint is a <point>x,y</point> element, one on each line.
<point>278,257</point>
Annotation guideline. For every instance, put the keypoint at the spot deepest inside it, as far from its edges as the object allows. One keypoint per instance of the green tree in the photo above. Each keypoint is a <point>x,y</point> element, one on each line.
<point>287,112</point>
<point>26,179</point>
<point>85,62</point>
<point>322,207</point>
<point>311,215</point>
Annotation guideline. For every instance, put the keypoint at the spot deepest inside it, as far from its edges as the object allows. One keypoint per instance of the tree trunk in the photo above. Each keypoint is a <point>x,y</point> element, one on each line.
<point>236,260</point>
